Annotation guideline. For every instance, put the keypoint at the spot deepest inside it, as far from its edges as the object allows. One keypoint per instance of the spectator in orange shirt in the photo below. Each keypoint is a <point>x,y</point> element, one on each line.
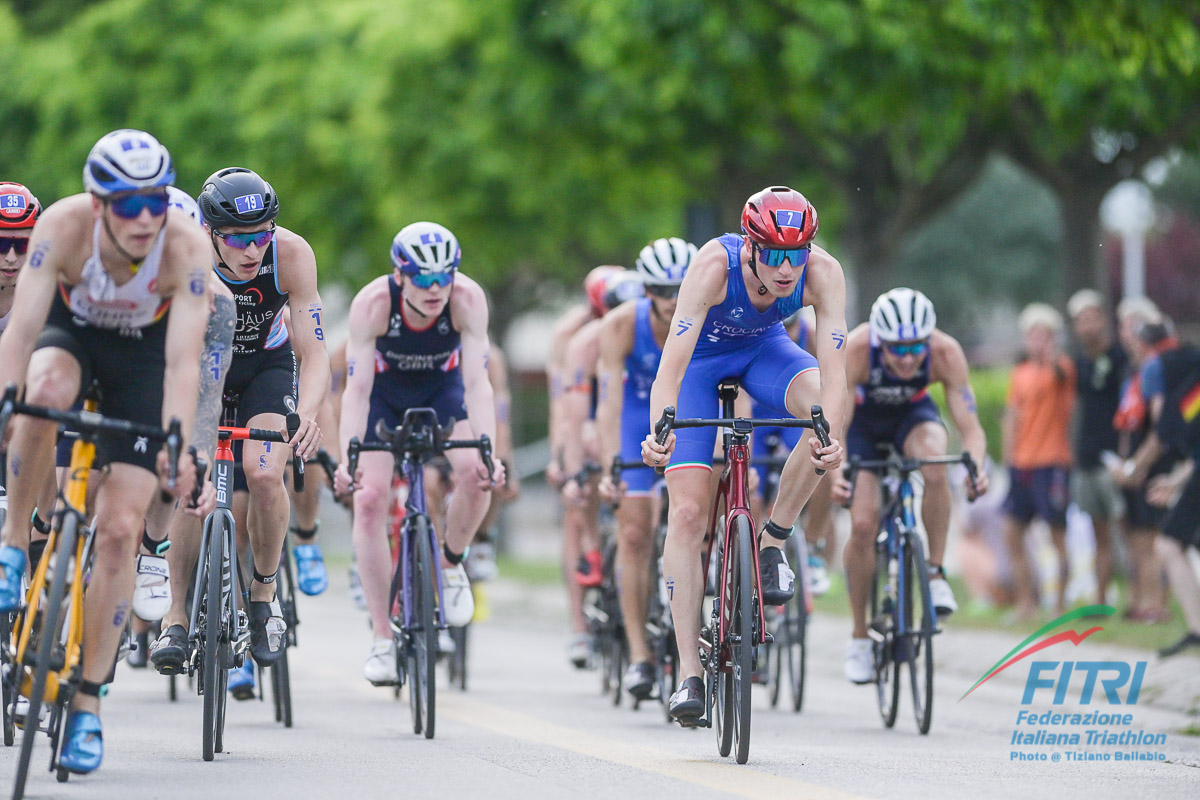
<point>1037,449</point>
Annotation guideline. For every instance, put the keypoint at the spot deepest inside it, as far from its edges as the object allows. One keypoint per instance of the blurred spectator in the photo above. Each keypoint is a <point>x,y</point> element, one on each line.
<point>986,564</point>
<point>1037,450</point>
<point>1147,585</point>
<point>1171,385</point>
<point>1100,366</point>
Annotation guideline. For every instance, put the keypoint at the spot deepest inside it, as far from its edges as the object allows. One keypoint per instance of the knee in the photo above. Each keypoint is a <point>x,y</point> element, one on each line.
<point>52,386</point>
<point>118,534</point>
<point>688,518</point>
<point>634,540</point>
<point>264,484</point>
<point>369,502</point>
<point>936,480</point>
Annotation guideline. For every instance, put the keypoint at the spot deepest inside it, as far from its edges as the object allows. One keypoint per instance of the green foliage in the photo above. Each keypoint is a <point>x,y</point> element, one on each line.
<point>554,136</point>
<point>991,389</point>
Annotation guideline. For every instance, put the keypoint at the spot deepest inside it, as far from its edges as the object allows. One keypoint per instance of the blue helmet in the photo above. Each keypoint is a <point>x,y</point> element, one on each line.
<point>126,161</point>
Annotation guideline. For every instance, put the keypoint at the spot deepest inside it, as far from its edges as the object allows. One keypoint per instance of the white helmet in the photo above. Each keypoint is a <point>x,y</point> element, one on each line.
<point>425,247</point>
<point>126,161</point>
<point>664,262</point>
<point>902,315</point>
<point>179,199</point>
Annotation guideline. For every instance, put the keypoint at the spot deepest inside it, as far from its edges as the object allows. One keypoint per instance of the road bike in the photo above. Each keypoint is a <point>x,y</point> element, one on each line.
<point>729,645</point>
<point>417,610</point>
<point>218,630</point>
<point>43,659</point>
<point>902,619</point>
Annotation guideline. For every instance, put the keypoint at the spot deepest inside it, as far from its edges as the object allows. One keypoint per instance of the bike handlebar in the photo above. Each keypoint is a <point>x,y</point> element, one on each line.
<point>413,437</point>
<point>744,425</point>
<point>93,422</point>
<point>265,435</point>
<point>906,466</point>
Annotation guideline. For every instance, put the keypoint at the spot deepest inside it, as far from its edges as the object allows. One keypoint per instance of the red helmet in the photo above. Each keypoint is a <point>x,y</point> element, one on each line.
<point>779,217</point>
<point>18,207</point>
<point>596,285</point>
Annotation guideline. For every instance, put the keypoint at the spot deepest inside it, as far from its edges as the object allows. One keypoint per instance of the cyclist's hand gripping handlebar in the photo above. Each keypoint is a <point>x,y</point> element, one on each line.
<point>820,427</point>
<point>972,473</point>
<point>174,445</point>
<point>662,428</point>
<point>293,425</point>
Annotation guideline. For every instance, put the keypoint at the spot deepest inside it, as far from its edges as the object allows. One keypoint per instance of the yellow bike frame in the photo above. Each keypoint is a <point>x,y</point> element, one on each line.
<point>74,495</point>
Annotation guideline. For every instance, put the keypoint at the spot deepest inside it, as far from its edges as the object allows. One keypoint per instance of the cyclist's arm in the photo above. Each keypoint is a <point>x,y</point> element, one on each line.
<point>949,366</point>
<point>556,378</point>
<point>469,313</point>
<point>704,286</point>
<point>858,368</point>
<point>826,290</point>
<point>498,375</point>
<point>582,352</point>
<point>368,320</point>
<point>298,277</point>
<point>52,239</point>
<point>616,342</point>
<point>191,299</point>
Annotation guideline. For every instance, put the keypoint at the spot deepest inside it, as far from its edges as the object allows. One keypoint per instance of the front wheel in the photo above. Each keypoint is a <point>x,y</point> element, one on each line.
<point>422,639</point>
<point>8,674</point>
<point>744,635</point>
<point>883,639</point>
<point>920,665</point>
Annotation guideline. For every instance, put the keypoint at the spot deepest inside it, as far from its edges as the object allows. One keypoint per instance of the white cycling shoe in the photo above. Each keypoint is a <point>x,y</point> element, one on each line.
<point>942,596</point>
<point>152,588</point>
<point>859,665</point>
<point>458,604</point>
<point>380,668</point>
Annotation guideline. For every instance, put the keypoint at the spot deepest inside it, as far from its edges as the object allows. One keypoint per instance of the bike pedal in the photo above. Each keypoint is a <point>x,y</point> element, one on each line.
<point>768,638</point>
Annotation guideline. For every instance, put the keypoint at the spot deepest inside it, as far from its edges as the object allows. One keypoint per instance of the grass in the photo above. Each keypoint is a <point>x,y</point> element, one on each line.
<point>969,616</point>
<point>529,573</point>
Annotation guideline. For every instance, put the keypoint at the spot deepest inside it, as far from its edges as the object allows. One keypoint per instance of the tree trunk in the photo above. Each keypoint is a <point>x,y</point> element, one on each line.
<point>1083,266</point>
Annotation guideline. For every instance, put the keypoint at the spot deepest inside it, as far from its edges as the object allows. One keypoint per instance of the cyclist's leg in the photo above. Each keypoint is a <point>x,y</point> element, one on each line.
<point>927,439</point>
<point>635,545</point>
<point>859,555</point>
<point>268,511</point>
<point>371,498</point>
<point>121,505</point>
<point>687,522</point>
<point>53,379</point>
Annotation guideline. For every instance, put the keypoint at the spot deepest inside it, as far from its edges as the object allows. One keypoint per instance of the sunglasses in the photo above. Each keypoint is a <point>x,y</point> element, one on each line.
<point>131,206</point>
<point>662,292</point>
<point>240,241</point>
<point>773,257</point>
<point>911,349</point>
<point>427,280</point>
<point>18,243</point>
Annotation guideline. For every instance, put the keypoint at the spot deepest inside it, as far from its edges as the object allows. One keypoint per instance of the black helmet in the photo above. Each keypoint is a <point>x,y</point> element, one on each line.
<point>237,196</point>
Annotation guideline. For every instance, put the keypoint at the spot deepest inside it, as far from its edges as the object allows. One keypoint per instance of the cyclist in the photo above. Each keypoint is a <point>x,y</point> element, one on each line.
<point>264,266</point>
<point>631,338</point>
<point>891,361</point>
<point>418,338</point>
<point>115,290</point>
<point>19,210</point>
<point>728,324</point>
<point>579,519</point>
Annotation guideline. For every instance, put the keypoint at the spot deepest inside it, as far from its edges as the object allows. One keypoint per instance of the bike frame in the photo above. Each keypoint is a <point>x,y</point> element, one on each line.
<point>413,472</point>
<point>901,523</point>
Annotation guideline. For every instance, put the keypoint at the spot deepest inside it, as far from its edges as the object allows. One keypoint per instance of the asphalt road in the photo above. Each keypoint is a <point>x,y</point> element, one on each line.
<point>531,726</point>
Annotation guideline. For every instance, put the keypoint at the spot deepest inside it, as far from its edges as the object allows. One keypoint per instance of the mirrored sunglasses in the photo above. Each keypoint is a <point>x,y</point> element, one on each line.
<point>240,241</point>
<point>909,349</point>
<point>131,206</point>
<point>426,280</point>
<point>773,257</point>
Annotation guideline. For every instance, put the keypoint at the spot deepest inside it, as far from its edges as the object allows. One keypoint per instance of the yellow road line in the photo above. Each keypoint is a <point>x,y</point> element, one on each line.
<point>741,781</point>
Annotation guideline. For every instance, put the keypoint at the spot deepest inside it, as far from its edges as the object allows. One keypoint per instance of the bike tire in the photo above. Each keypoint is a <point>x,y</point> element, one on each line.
<point>281,685</point>
<point>212,667</point>
<point>8,673</point>
<point>920,665</point>
<point>745,636</point>
<point>52,620</point>
<point>423,658</point>
<point>887,669</point>
<point>796,622</point>
<point>723,707</point>
<point>281,670</point>
<point>668,670</point>
<point>458,661</point>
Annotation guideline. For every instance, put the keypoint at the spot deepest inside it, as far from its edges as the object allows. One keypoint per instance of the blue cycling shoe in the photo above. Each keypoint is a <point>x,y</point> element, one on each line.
<point>83,746</point>
<point>310,569</point>
<point>241,681</point>
<point>12,567</point>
